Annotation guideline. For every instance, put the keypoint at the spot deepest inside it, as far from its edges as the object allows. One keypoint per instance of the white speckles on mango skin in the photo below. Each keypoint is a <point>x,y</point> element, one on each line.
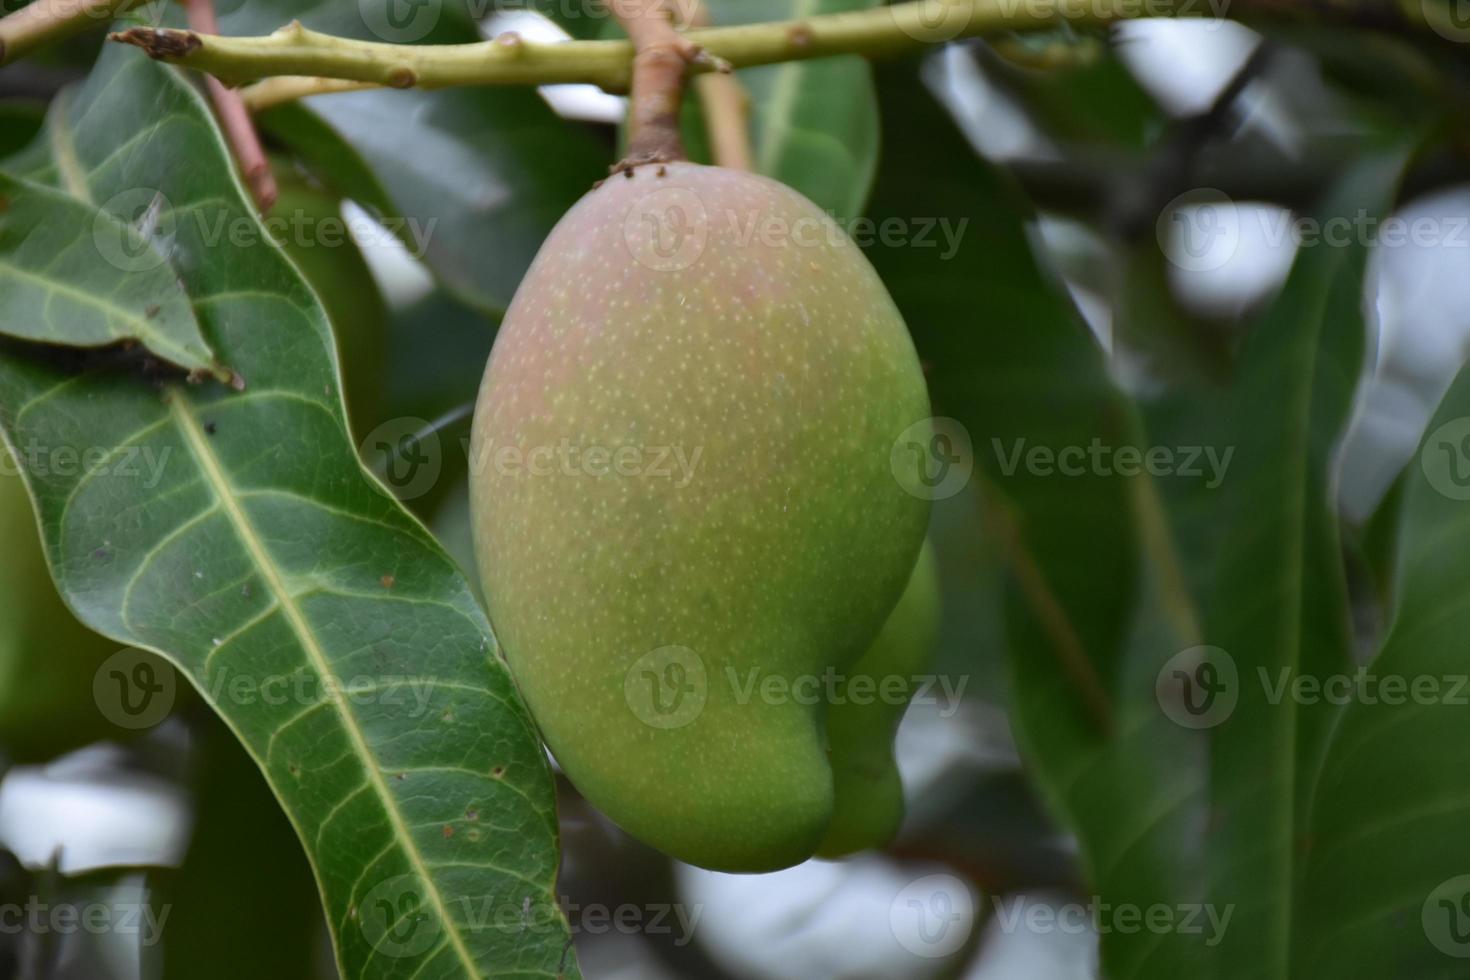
<point>788,371</point>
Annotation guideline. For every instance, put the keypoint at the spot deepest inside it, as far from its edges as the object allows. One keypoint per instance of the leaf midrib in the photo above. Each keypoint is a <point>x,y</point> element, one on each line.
<point>214,475</point>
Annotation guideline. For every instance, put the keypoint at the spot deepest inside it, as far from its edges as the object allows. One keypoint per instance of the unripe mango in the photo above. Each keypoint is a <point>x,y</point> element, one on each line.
<point>862,724</point>
<point>684,509</point>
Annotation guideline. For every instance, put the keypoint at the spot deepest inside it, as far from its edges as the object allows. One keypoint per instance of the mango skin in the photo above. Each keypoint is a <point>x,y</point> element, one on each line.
<point>641,613</point>
<point>869,794</point>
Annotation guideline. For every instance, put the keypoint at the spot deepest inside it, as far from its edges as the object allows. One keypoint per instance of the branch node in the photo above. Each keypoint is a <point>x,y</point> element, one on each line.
<point>800,35</point>
<point>403,77</point>
<point>160,43</point>
<point>511,40</point>
<point>703,57</point>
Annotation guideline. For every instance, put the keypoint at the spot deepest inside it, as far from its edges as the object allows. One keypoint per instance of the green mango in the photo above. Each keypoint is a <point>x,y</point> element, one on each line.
<point>47,658</point>
<point>307,222</point>
<point>862,724</point>
<point>685,509</point>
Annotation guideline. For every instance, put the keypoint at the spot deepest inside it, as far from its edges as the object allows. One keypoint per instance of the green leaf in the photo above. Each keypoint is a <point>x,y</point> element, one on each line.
<point>72,274</point>
<point>322,621</point>
<point>1010,359</point>
<point>1279,604</point>
<point>1383,891</point>
<point>814,124</point>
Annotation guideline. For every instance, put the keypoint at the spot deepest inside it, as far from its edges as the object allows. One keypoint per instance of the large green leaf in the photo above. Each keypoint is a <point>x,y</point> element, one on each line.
<point>1278,603</point>
<point>1385,886</point>
<point>70,274</point>
<point>322,622</point>
<point>1091,616</point>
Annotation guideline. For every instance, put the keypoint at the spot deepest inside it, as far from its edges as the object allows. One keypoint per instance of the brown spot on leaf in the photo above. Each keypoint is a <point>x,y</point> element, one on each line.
<point>387,581</point>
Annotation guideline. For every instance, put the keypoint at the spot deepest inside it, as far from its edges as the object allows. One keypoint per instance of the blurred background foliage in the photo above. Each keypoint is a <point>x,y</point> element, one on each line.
<point>1066,312</point>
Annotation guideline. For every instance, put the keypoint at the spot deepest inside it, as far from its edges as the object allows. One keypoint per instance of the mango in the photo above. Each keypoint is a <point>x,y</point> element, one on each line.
<point>684,510</point>
<point>862,723</point>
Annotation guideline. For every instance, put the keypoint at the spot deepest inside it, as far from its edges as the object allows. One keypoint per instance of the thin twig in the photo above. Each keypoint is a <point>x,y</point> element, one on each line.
<point>726,107</point>
<point>51,20</point>
<point>234,118</point>
<point>660,66</point>
<point>272,92</point>
<point>510,60</point>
